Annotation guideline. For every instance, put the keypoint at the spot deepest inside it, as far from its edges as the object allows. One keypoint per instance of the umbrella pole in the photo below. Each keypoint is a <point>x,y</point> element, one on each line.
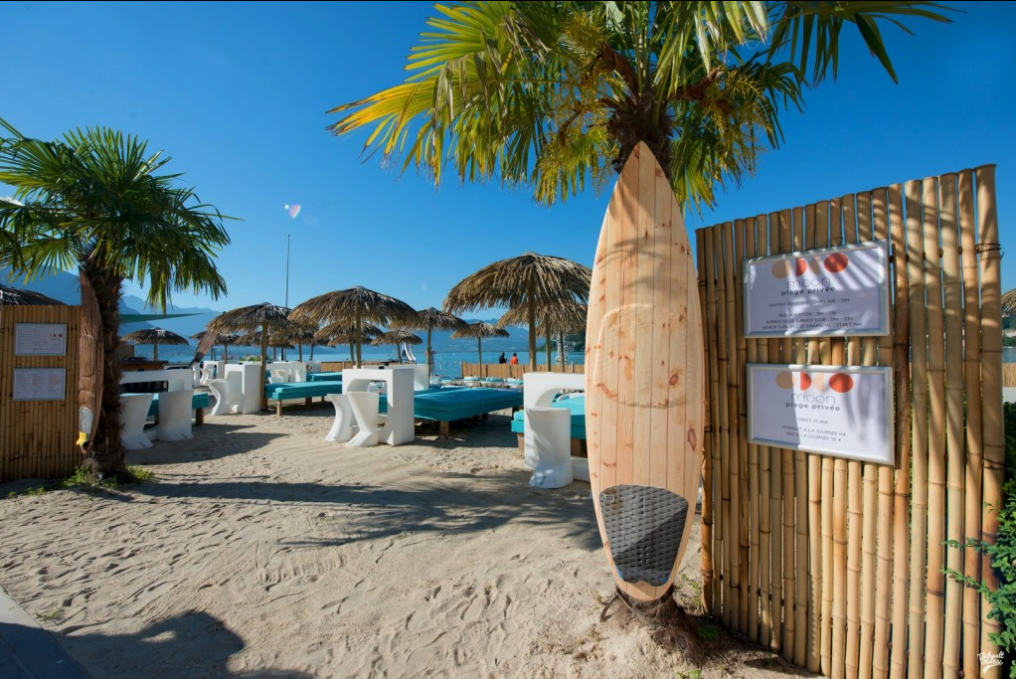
<point>549,351</point>
<point>359,342</point>
<point>430,353</point>
<point>264,358</point>
<point>155,350</point>
<point>532,327</point>
<point>479,350</point>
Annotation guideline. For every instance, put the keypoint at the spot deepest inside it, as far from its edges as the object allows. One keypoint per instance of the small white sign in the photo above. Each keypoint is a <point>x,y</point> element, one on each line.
<point>829,292</point>
<point>40,339</point>
<point>40,384</point>
<point>842,411</point>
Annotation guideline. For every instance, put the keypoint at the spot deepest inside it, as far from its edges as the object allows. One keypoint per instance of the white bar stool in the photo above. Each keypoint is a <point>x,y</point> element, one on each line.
<point>364,405</point>
<point>342,428</point>
<point>175,415</point>
<point>134,413</point>
<point>552,446</point>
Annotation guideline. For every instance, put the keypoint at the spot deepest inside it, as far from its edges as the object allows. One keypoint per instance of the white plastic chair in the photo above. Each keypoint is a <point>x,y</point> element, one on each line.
<point>552,446</point>
<point>224,404</point>
<point>175,415</point>
<point>342,427</point>
<point>135,412</point>
<point>364,405</point>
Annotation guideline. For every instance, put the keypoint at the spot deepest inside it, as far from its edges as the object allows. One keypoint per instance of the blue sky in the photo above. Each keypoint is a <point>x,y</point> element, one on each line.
<point>237,93</point>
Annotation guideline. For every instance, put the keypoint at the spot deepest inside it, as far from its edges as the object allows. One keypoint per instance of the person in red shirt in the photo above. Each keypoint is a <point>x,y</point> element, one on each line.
<point>514,360</point>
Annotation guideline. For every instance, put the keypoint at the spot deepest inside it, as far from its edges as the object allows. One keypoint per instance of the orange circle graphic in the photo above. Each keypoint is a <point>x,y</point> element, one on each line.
<point>800,266</point>
<point>785,379</point>
<point>836,262</point>
<point>781,268</point>
<point>805,381</point>
<point>841,383</point>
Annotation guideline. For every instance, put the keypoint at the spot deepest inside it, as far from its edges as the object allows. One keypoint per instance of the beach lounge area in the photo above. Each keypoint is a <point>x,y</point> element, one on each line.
<point>261,550</point>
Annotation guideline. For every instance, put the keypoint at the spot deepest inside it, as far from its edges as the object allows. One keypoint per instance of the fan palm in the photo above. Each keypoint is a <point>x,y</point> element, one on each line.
<point>355,306</point>
<point>527,281</point>
<point>154,336</point>
<point>432,319</point>
<point>551,94</point>
<point>95,200</point>
<point>480,331</point>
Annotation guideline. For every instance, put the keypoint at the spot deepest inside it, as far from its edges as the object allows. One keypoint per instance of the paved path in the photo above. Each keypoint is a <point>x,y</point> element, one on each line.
<point>27,651</point>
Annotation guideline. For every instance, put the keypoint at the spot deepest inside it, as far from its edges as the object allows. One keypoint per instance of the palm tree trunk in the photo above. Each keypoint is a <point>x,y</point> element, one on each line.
<point>106,455</point>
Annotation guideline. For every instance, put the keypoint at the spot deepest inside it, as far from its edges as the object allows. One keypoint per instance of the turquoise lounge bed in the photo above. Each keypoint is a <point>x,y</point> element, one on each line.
<point>446,405</point>
<point>198,402</point>
<point>577,406</point>
<point>324,377</point>
<point>281,391</point>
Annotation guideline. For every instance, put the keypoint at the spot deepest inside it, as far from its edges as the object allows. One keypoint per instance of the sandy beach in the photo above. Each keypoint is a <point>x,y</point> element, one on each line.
<point>261,550</point>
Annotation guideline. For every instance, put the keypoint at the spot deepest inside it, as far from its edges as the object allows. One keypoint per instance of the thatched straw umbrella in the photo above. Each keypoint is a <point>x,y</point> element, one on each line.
<point>356,306</point>
<point>225,339</point>
<point>1009,303</point>
<point>16,297</point>
<point>253,339</point>
<point>553,317</point>
<point>300,334</point>
<point>480,330</point>
<point>155,337</point>
<point>432,319</point>
<point>523,281</point>
<point>262,316</point>
<point>344,333</point>
<point>397,337</point>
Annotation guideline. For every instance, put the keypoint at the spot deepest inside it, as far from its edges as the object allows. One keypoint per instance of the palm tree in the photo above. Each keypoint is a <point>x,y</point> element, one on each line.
<point>554,94</point>
<point>94,200</point>
<point>480,330</point>
<point>432,319</point>
<point>355,306</point>
<point>527,281</point>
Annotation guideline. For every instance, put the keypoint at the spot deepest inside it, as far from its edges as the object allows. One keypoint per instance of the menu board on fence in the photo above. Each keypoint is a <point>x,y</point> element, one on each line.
<point>40,339</point>
<point>833,291</point>
<point>40,384</point>
<point>842,411</point>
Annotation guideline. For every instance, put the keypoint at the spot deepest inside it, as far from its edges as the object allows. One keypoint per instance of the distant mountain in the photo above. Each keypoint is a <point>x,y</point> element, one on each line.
<point>64,286</point>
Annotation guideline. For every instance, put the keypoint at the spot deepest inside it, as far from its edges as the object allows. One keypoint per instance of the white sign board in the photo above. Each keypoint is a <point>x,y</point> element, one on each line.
<point>40,339</point>
<point>834,291</point>
<point>40,384</point>
<point>842,411</point>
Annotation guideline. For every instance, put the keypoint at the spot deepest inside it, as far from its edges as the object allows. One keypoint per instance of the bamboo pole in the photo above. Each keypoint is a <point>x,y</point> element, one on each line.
<point>972,378</point>
<point>919,451</point>
<point>714,420</point>
<point>853,494</point>
<point>814,481</point>
<point>707,447</point>
<point>839,496</point>
<point>823,215</point>
<point>991,369</point>
<point>751,356</point>
<point>766,455</point>
<point>799,609</point>
<point>778,243</point>
<point>728,510</point>
<point>738,445</point>
<point>935,580</point>
<point>901,377</point>
<point>953,298</point>
<point>883,571</point>
<point>868,496</point>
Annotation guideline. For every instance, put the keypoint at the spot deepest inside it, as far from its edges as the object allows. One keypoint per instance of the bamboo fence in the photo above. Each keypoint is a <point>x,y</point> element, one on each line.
<point>838,565</point>
<point>38,438</point>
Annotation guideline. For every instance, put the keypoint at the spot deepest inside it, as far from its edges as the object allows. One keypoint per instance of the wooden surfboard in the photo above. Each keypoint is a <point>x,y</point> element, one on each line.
<point>645,381</point>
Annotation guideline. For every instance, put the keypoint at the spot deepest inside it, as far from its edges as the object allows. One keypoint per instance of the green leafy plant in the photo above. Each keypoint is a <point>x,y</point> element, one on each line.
<point>81,478</point>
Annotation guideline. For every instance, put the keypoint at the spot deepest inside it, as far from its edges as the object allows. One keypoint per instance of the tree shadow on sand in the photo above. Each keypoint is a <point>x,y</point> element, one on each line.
<point>193,644</point>
<point>432,503</point>
<point>235,442</point>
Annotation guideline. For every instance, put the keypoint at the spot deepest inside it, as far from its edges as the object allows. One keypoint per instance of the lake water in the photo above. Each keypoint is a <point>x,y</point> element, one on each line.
<point>446,364</point>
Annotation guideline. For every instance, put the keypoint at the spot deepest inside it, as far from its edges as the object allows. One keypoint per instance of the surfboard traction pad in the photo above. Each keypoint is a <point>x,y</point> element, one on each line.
<point>644,525</point>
